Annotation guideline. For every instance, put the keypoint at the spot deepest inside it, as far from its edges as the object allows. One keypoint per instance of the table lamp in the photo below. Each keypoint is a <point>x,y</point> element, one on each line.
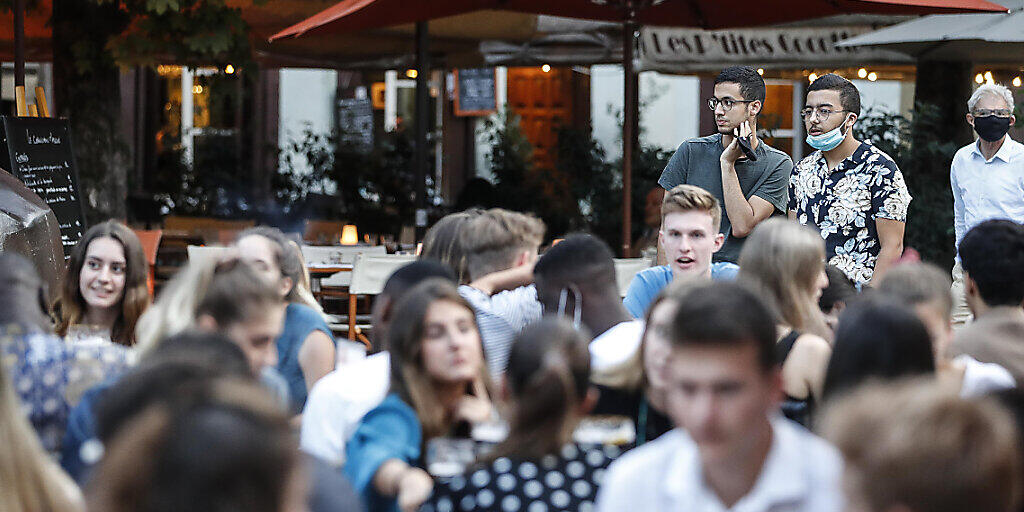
<point>349,236</point>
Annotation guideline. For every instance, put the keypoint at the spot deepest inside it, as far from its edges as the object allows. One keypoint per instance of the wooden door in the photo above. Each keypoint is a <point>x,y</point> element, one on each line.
<point>543,100</point>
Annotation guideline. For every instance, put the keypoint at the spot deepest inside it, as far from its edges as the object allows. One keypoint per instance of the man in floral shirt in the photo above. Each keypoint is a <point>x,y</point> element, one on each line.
<point>849,190</point>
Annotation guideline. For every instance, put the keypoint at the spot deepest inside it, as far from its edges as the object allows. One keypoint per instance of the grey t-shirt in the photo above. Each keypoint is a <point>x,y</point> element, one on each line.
<point>697,162</point>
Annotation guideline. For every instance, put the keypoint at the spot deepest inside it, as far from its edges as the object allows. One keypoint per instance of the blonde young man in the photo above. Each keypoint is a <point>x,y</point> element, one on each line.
<point>689,237</point>
<point>501,248</point>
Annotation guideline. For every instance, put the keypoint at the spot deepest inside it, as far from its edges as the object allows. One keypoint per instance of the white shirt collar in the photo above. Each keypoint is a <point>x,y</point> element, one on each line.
<point>779,481</point>
<point>1007,151</point>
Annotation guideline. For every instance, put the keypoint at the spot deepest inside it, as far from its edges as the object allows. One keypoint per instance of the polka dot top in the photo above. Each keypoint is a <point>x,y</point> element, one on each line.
<point>564,481</point>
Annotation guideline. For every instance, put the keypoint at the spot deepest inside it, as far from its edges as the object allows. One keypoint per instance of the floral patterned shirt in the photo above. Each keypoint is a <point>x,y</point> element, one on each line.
<point>50,375</point>
<point>842,204</point>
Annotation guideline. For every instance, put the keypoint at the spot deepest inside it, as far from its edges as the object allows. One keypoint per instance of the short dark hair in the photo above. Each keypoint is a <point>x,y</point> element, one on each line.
<point>724,314</point>
<point>849,96</point>
<point>581,259</point>
<point>877,337</point>
<point>751,83</point>
<point>840,289</point>
<point>992,253</point>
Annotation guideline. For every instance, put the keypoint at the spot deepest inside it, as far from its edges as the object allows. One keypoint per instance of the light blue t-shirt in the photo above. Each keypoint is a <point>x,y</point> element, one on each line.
<point>648,283</point>
<point>299,322</point>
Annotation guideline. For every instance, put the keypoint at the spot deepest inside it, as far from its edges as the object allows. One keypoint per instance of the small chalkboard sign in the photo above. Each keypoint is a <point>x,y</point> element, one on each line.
<point>475,92</point>
<point>355,122</point>
<point>38,151</point>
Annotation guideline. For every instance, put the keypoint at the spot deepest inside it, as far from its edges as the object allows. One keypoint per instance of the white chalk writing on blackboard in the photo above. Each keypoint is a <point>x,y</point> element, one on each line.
<point>49,138</point>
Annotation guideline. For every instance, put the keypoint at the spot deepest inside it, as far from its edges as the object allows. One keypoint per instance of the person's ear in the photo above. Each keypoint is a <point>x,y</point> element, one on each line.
<point>754,108</point>
<point>970,119</point>
<point>284,286</point>
<point>522,259</point>
<point>207,323</point>
<point>719,241</point>
<point>970,287</point>
<point>589,401</point>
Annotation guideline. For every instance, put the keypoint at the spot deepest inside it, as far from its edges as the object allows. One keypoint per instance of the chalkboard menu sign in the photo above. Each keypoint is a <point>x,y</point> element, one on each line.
<point>475,93</point>
<point>355,122</point>
<point>38,151</point>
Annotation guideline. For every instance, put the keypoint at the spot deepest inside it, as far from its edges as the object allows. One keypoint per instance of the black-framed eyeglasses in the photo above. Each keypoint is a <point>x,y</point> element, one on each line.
<point>998,112</point>
<point>821,112</point>
<point>727,103</point>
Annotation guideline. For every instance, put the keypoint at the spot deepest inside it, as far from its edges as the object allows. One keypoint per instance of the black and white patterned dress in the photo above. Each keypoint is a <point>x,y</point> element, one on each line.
<point>564,481</point>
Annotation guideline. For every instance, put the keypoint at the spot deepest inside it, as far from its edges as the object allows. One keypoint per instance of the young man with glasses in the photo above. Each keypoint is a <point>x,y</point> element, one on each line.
<point>987,176</point>
<point>849,190</point>
<point>750,189</point>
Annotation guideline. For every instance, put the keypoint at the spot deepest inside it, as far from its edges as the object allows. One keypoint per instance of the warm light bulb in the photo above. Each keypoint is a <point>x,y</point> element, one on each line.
<point>979,78</point>
<point>760,71</point>
<point>812,77</point>
<point>198,89</point>
<point>862,73</point>
<point>412,73</point>
<point>229,69</point>
<point>988,76</point>
<point>872,76</point>
<point>1016,81</point>
<point>545,68</point>
<point>349,236</point>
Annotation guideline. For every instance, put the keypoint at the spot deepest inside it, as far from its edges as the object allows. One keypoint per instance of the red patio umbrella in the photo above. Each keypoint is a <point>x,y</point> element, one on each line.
<point>355,15</point>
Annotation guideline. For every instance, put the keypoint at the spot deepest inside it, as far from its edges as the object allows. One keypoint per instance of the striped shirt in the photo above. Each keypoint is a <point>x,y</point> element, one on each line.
<point>500,317</point>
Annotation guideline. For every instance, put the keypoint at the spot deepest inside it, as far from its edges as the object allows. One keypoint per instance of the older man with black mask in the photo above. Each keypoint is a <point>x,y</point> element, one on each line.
<point>987,176</point>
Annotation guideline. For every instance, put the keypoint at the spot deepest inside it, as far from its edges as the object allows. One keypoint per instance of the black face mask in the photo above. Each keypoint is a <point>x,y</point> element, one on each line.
<point>991,128</point>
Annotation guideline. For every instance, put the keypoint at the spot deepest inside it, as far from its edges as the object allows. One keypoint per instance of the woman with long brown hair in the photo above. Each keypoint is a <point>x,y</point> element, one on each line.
<point>438,384</point>
<point>786,261</point>
<point>105,285</point>
<point>538,466</point>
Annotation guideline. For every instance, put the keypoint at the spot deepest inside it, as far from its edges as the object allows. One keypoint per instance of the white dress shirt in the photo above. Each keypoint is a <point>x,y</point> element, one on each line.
<point>987,189</point>
<point>801,474</point>
<point>338,402</point>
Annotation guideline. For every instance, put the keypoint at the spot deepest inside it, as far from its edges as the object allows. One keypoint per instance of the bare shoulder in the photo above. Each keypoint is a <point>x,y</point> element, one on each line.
<point>812,346</point>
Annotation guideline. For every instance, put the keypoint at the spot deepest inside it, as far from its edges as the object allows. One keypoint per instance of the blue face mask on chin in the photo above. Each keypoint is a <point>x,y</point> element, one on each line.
<point>828,140</point>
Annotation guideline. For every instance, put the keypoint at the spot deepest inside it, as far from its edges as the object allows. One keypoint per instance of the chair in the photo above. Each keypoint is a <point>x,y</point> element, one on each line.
<point>626,269</point>
<point>369,273</point>
<point>202,253</point>
<point>336,255</point>
<point>150,240</point>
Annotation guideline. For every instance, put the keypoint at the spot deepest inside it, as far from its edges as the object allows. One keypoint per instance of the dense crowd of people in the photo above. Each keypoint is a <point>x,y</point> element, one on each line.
<point>783,357</point>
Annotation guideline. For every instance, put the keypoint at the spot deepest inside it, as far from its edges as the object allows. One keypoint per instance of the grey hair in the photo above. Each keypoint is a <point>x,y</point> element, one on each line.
<point>997,90</point>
